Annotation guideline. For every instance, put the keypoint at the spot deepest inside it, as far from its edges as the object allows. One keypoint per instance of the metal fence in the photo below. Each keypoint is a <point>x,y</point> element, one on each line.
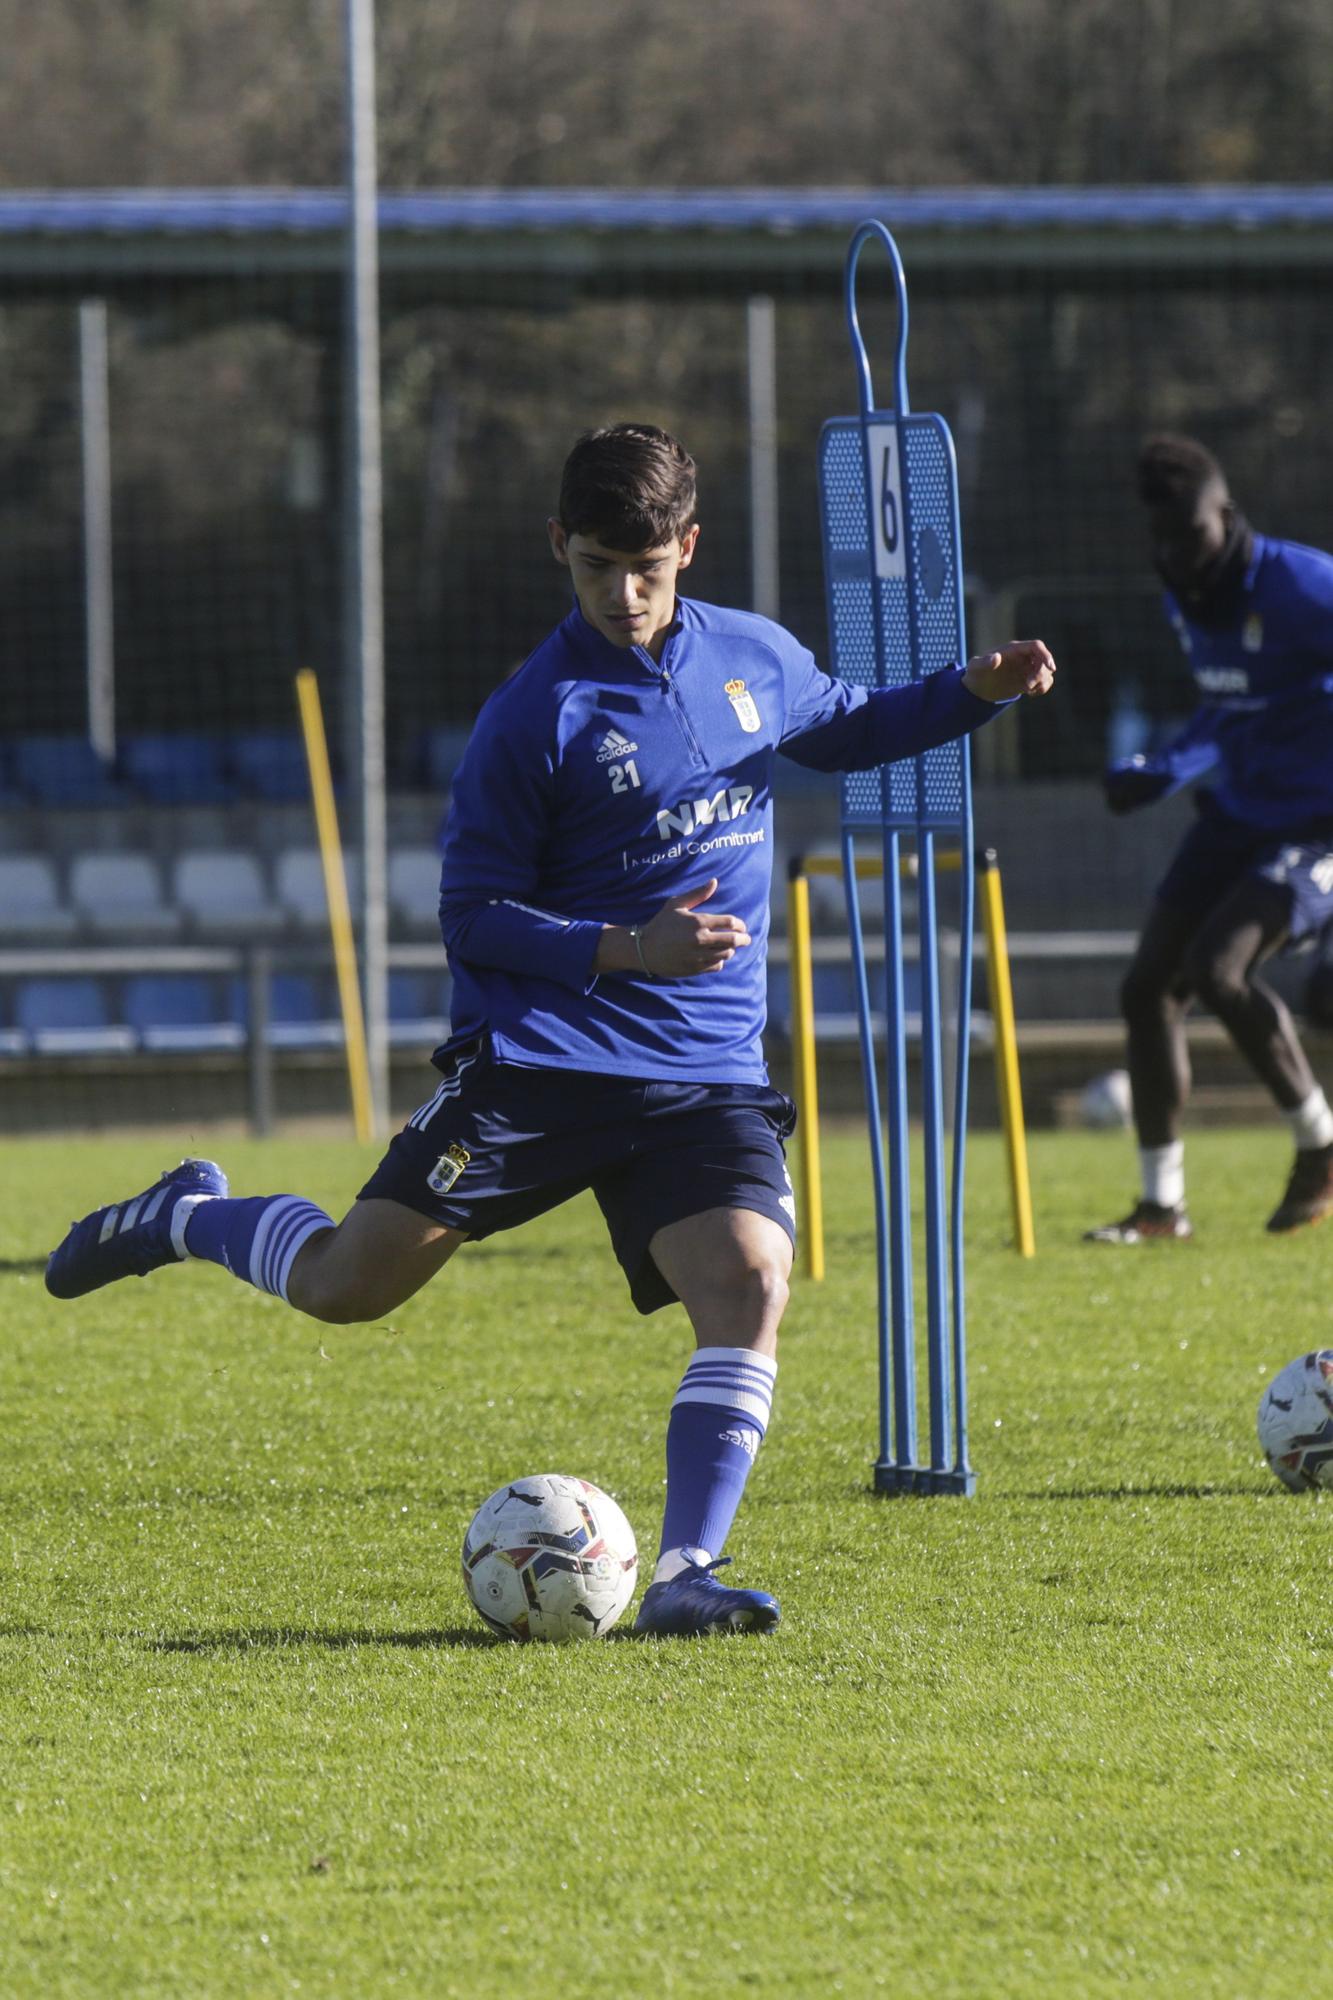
<point>174,483</point>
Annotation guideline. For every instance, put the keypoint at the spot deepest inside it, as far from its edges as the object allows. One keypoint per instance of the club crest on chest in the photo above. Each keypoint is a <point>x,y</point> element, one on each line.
<point>744,704</point>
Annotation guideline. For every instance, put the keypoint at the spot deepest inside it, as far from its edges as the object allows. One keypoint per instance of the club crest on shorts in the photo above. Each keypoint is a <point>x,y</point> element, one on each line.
<point>447,1168</point>
<point>743,702</point>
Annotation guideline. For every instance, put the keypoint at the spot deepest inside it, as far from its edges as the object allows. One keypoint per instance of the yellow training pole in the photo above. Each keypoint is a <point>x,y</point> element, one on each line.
<point>1002,1017</point>
<point>804,1086</point>
<point>1006,1052</point>
<point>335,889</point>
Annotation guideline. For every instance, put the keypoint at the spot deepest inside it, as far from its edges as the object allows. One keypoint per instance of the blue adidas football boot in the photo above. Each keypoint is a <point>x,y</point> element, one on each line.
<point>694,1602</point>
<point>128,1239</point>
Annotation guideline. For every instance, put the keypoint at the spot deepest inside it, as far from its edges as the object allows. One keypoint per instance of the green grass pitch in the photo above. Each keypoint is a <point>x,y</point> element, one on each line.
<point>1061,1739</point>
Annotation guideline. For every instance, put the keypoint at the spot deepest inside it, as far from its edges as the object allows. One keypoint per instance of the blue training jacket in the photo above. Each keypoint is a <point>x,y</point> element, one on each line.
<point>596,784</point>
<point>1265,720</point>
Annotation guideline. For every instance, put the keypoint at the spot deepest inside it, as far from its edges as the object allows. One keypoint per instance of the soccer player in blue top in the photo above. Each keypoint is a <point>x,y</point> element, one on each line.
<point>1255,872</point>
<point>604,904</point>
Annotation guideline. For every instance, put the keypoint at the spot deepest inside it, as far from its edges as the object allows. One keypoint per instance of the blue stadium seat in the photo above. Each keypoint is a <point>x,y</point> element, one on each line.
<point>118,893</point>
<point>31,908</point>
<point>269,764</point>
<point>298,881</point>
<point>178,1011</point>
<point>69,1017</point>
<point>223,893</point>
<point>179,770</point>
<point>835,1001</point>
<point>418,1008</point>
<point>63,771</point>
<point>303,1011</point>
<point>834,991</point>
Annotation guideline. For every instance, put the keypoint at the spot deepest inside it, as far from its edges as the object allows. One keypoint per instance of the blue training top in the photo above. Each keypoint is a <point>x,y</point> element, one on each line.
<point>596,784</point>
<point>1265,723</point>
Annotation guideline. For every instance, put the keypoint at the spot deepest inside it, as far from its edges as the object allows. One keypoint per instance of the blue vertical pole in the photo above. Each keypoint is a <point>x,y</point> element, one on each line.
<point>966,920</point>
<point>891,541</point>
<point>932,1111</point>
<point>900,1179</point>
<point>865,1019</point>
<point>902,1313</point>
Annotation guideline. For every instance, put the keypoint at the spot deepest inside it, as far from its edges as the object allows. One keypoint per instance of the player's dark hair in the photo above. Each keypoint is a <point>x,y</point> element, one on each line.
<point>1173,470</point>
<point>629,486</point>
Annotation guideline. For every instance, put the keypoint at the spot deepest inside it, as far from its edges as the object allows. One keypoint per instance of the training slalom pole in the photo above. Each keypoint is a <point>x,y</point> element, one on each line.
<point>335,891</point>
<point>893,579</point>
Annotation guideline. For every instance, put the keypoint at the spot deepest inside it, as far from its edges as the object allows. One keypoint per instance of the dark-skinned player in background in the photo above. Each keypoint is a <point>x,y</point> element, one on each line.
<point>1254,874</point>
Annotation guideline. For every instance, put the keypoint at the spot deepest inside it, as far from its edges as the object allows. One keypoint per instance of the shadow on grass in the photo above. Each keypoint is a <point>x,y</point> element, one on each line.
<point>276,1639</point>
<point>1163,1492</point>
<point>261,1638</point>
<point>1275,1492</point>
<point>21,1265</point>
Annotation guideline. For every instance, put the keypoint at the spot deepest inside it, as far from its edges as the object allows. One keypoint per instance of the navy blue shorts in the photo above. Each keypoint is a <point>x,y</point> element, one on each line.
<point>1219,852</point>
<point>498,1144</point>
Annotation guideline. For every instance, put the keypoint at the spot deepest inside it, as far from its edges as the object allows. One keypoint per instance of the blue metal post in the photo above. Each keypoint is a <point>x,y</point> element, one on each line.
<point>891,538</point>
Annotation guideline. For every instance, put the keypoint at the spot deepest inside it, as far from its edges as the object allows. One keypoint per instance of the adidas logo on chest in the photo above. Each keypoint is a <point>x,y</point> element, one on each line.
<point>614,746</point>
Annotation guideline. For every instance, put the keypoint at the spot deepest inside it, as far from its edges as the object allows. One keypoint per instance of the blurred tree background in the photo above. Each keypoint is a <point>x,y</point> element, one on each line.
<point>782,93</point>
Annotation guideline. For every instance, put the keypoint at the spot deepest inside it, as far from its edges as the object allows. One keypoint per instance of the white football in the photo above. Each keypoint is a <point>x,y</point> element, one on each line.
<point>1296,1421</point>
<point>1106,1104</point>
<point>550,1558</point>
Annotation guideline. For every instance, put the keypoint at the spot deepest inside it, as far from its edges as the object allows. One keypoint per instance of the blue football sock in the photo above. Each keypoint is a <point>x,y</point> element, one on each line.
<point>255,1238</point>
<point>717,1423</point>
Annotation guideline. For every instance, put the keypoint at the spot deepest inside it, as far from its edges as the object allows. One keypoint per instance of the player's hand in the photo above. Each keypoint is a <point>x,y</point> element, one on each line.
<point>1136,782</point>
<point>1024,666</point>
<point>683,939</point>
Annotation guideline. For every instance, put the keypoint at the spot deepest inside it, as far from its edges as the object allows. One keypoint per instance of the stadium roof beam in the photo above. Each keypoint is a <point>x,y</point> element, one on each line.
<point>527,247</point>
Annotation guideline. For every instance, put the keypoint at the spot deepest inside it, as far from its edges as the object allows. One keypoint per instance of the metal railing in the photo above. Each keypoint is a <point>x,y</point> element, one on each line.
<point>259,1039</point>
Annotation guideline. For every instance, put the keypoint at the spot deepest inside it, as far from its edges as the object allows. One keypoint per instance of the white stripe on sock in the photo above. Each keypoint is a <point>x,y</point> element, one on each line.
<point>734,1378</point>
<point>757,1408</point>
<point>286,1225</point>
<point>734,1357</point>
<point>276,1258</point>
<point>313,1221</point>
<point>259,1241</point>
